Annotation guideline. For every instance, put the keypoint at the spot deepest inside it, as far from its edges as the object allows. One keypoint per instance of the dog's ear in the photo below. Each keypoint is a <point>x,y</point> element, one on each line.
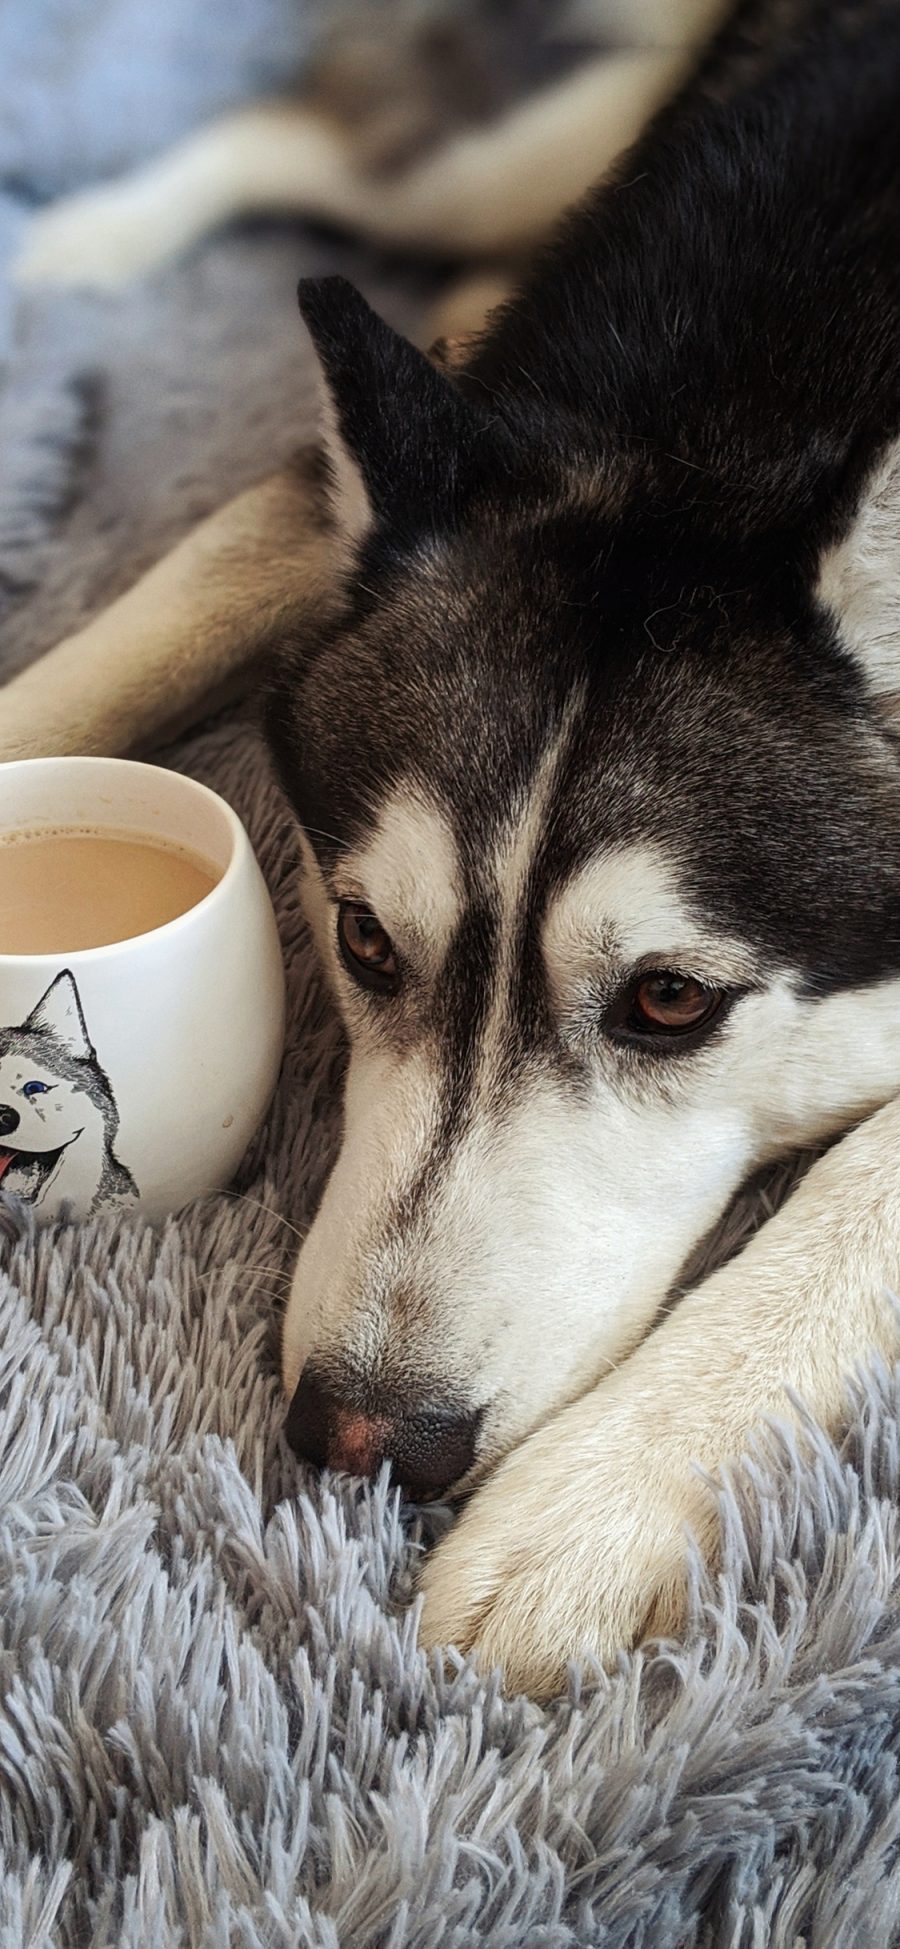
<point>404,445</point>
<point>859,582</point>
<point>58,1013</point>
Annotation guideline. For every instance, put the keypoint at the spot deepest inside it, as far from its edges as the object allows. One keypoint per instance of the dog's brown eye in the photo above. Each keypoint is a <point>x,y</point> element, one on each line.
<point>663,1005</point>
<point>675,1002</point>
<point>366,949</point>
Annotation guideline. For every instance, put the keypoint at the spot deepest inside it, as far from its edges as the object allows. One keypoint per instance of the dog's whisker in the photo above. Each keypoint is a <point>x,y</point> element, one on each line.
<point>318,832</point>
<point>264,1292</point>
<point>251,1271</point>
<point>611,1366</point>
<point>243,1197</point>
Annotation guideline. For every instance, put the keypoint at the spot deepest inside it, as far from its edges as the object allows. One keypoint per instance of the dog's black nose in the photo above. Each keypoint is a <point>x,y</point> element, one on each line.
<point>9,1119</point>
<point>429,1447</point>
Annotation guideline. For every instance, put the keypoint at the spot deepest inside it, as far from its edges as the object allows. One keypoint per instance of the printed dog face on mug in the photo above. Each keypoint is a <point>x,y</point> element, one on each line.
<point>58,1113</point>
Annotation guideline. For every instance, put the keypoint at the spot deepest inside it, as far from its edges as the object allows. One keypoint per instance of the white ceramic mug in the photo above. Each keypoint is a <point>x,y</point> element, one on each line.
<point>161,1051</point>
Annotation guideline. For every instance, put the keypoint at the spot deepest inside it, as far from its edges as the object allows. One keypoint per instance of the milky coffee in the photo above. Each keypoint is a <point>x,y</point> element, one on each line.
<point>68,889</point>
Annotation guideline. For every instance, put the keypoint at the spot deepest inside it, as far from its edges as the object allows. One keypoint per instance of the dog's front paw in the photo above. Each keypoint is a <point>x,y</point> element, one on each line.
<point>98,240</point>
<point>577,1545</point>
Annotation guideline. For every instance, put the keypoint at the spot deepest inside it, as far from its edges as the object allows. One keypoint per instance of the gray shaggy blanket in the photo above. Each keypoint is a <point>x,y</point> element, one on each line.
<point>216,1731</point>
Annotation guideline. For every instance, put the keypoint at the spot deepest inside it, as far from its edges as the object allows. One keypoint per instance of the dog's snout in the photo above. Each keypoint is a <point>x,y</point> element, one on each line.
<point>9,1119</point>
<point>429,1447</point>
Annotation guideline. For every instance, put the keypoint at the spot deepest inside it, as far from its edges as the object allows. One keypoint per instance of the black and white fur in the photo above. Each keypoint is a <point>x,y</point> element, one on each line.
<point>58,1115</point>
<point>586,652</point>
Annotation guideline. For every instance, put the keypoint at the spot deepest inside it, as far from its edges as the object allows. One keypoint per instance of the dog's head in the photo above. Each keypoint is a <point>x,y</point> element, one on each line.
<point>49,1080</point>
<point>601,829</point>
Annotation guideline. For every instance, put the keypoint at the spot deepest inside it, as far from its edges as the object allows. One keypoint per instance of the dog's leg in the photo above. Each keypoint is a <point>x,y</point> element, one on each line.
<point>187,630</point>
<point>494,190</point>
<point>578,1541</point>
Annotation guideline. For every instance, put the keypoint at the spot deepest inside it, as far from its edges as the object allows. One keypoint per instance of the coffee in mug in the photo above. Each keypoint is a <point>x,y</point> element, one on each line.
<point>69,889</point>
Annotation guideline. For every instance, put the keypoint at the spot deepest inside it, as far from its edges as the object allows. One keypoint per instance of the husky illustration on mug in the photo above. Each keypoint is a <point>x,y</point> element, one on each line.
<point>58,1114</point>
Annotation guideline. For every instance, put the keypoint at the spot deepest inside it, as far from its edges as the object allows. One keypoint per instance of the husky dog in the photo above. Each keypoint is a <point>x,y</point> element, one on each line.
<point>58,1116</point>
<point>585,638</point>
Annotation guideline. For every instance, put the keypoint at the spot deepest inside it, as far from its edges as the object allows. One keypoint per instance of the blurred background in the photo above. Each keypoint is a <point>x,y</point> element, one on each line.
<point>125,416</point>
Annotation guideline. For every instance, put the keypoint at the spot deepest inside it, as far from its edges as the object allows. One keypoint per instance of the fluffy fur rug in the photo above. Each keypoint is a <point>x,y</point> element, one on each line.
<point>216,1731</point>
